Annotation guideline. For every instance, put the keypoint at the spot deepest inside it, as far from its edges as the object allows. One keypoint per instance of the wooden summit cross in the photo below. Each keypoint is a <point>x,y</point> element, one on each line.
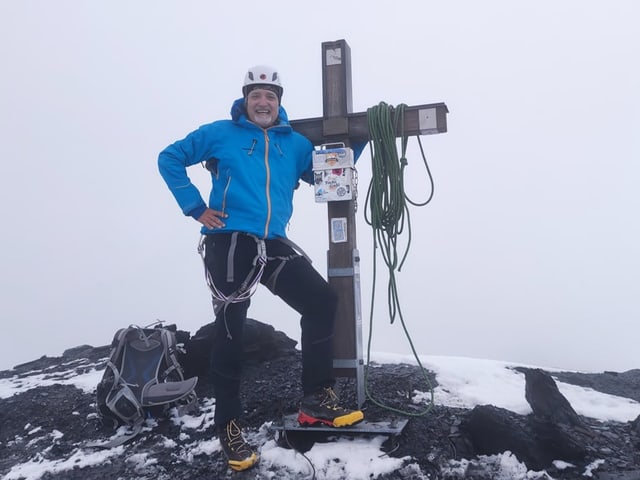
<point>340,125</point>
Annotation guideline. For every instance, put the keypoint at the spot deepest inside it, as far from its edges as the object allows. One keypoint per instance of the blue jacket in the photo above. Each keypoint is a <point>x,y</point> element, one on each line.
<point>254,172</point>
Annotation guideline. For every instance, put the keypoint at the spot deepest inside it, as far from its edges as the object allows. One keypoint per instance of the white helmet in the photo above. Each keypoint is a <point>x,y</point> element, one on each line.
<point>262,76</point>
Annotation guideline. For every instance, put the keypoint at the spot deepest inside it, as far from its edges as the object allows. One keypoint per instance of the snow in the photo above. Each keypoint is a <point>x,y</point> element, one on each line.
<point>35,468</point>
<point>17,384</point>
<point>462,382</point>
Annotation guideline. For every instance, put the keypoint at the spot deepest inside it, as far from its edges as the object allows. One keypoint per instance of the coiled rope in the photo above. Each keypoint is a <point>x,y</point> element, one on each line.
<point>387,212</point>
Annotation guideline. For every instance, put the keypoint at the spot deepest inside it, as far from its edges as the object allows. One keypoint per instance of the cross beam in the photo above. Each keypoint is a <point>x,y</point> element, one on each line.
<point>418,120</point>
<point>339,125</point>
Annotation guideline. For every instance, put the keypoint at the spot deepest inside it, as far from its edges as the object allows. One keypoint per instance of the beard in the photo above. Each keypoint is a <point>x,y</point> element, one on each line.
<point>263,119</point>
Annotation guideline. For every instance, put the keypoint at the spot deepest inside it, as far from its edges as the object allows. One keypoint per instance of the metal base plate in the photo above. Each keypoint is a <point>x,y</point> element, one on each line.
<point>385,427</point>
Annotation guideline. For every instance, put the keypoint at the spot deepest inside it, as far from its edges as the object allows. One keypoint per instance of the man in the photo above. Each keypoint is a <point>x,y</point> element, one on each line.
<point>256,161</point>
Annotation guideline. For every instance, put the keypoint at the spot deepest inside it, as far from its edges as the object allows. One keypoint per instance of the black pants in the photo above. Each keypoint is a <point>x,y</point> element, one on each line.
<point>292,278</point>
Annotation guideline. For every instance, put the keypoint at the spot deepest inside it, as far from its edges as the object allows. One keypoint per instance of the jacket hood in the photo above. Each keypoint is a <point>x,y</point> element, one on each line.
<point>239,113</point>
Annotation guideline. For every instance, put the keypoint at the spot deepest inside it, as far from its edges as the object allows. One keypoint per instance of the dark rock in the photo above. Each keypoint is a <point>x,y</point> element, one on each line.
<point>558,431</point>
<point>546,401</point>
<point>37,364</point>
<point>623,384</point>
<point>554,431</point>
<point>556,441</point>
<point>261,342</point>
<point>80,351</point>
<point>492,430</point>
<point>628,475</point>
<point>636,426</point>
<point>536,442</point>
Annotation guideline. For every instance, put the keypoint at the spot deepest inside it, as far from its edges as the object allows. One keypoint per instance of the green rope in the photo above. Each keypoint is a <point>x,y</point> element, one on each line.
<point>387,212</point>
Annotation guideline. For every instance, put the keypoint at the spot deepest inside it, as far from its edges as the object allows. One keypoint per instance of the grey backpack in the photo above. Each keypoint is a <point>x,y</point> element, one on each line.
<point>143,378</point>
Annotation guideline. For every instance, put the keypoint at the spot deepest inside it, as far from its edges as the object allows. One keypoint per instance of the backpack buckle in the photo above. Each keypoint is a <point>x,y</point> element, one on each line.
<point>125,406</point>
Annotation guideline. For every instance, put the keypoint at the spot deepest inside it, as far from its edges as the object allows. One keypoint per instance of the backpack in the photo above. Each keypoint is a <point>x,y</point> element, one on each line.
<point>142,378</point>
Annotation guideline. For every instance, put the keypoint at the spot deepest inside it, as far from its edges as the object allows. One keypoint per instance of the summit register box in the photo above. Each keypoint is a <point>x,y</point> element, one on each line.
<point>333,174</point>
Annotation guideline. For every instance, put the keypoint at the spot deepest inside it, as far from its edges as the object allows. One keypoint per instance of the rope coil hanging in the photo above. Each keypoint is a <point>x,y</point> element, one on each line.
<point>387,212</point>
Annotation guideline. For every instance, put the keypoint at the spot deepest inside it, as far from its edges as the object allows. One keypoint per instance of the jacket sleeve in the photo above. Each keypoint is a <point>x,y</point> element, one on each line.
<point>306,174</point>
<point>173,162</point>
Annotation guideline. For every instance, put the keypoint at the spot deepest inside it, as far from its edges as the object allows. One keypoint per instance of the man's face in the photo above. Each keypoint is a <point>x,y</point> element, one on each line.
<point>262,107</point>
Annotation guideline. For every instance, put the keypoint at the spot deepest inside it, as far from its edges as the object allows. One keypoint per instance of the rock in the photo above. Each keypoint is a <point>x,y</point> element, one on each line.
<point>81,351</point>
<point>636,426</point>
<point>546,400</point>
<point>628,475</point>
<point>624,384</point>
<point>559,432</point>
<point>556,441</point>
<point>554,431</point>
<point>492,430</point>
<point>261,342</point>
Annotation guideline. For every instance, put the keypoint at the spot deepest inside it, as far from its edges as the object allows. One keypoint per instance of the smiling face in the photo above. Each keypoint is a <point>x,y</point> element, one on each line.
<point>262,107</point>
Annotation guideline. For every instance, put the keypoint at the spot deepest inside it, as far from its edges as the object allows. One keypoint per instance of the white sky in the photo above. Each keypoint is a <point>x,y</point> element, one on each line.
<point>529,252</point>
<point>462,382</point>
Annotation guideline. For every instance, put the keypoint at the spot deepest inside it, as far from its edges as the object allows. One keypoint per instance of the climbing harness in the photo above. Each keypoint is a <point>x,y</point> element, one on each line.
<point>387,212</point>
<point>250,284</point>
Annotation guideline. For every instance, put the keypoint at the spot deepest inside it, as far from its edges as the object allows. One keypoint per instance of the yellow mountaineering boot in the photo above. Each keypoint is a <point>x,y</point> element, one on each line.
<point>322,407</point>
<point>239,453</point>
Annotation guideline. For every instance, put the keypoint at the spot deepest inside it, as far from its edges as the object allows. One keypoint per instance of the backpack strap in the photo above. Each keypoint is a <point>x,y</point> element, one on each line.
<point>170,346</point>
<point>161,393</point>
<point>120,439</point>
<point>183,391</point>
<point>116,352</point>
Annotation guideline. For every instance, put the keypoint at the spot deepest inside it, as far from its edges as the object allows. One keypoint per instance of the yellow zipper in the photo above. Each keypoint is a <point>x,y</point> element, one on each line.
<point>266,164</point>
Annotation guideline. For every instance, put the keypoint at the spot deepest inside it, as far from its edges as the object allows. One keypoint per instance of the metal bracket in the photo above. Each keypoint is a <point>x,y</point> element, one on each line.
<point>347,362</point>
<point>341,272</point>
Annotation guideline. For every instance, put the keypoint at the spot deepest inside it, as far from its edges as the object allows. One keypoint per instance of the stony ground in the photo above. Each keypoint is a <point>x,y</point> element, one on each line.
<point>272,389</point>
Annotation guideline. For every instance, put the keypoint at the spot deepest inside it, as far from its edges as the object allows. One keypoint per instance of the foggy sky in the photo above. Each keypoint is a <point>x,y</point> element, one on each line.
<point>529,251</point>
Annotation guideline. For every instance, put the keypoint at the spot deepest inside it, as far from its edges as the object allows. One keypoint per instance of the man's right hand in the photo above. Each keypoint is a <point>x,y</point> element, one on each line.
<point>212,218</point>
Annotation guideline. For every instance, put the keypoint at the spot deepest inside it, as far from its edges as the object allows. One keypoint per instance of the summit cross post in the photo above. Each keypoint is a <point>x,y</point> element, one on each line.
<point>339,125</point>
